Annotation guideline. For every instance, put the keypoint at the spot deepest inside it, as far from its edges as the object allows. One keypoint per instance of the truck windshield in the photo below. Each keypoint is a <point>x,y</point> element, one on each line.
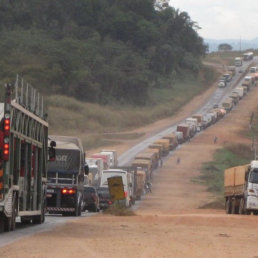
<point>253,178</point>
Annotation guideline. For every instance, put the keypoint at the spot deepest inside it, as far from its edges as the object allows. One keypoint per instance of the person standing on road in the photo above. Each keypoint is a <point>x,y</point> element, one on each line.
<point>178,161</point>
<point>215,140</point>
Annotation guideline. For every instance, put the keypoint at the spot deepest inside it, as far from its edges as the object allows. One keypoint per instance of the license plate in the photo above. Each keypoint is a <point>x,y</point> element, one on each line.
<point>49,195</point>
<point>50,190</point>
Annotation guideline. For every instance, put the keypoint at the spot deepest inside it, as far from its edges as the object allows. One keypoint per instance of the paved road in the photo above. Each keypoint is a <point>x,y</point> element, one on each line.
<point>219,95</point>
<point>125,159</point>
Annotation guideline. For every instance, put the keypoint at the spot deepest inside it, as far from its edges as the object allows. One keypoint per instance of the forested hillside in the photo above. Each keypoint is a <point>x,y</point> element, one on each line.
<point>105,51</point>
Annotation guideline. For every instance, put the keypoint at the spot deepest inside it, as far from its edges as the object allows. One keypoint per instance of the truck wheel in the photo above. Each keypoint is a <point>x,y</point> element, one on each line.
<point>10,223</point>
<point>39,219</point>
<point>241,209</point>
<point>14,213</point>
<point>234,209</point>
<point>228,206</point>
<point>1,224</point>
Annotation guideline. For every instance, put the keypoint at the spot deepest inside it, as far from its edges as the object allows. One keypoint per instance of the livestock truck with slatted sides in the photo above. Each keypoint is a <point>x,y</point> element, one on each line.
<point>241,189</point>
<point>23,156</point>
<point>66,177</point>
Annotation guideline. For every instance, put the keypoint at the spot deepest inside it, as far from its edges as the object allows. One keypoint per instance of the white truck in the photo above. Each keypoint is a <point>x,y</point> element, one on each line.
<point>241,189</point>
<point>238,61</point>
<point>240,91</point>
<point>193,123</point>
<point>113,157</point>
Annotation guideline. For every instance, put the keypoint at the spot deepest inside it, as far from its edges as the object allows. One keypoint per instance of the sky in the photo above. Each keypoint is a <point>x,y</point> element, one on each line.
<point>222,19</point>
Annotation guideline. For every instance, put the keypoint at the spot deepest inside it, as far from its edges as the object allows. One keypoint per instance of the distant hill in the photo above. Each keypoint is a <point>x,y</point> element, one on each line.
<point>235,43</point>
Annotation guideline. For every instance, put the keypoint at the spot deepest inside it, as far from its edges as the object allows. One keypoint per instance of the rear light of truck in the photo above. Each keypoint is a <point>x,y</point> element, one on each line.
<point>68,191</point>
<point>125,194</point>
<point>6,148</point>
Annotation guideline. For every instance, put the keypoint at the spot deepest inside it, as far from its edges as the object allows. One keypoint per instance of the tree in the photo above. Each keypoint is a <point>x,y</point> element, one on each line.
<point>224,47</point>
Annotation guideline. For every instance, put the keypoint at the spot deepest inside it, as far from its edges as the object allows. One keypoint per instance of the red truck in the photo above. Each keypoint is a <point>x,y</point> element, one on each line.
<point>185,129</point>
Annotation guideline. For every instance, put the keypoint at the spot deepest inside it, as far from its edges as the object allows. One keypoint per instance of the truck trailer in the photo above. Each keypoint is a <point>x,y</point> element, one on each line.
<point>241,189</point>
<point>23,156</point>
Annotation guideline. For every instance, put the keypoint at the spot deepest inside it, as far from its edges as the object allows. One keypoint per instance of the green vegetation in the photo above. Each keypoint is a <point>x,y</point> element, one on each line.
<point>99,51</point>
<point>212,173</point>
<point>94,123</point>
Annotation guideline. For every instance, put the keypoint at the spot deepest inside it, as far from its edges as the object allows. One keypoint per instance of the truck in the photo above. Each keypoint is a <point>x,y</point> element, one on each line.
<point>240,91</point>
<point>193,123</point>
<point>235,97</point>
<point>157,147</point>
<point>157,154</point>
<point>247,82</point>
<point>66,177</point>
<point>227,104</point>
<point>23,157</point>
<point>200,122</point>
<point>151,156</point>
<point>165,144</point>
<point>113,154</point>
<point>238,61</point>
<point>145,165</point>
<point>140,178</point>
<point>241,189</point>
<point>253,69</point>
<point>185,129</point>
<point>179,136</point>
<point>172,140</point>
<point>248,56</point>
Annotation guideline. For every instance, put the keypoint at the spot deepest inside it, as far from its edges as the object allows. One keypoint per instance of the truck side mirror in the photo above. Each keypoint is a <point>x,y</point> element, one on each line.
<point>86,169</point>
<point>52,144</point>
<point>51,154</point>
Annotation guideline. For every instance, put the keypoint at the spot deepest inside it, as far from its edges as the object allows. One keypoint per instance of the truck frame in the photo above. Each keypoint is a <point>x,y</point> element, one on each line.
<point>23,157</point>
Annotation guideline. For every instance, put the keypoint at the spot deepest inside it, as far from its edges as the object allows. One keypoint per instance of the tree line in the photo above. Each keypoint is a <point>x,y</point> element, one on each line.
<point>105,51</point>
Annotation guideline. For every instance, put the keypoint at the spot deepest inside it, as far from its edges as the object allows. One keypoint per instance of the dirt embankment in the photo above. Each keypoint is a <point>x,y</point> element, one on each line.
<point>168,221</point>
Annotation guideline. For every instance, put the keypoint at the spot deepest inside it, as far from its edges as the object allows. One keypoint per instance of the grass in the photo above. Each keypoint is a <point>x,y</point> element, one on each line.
<point>212,173</point>
<point>226,58</point>
<point>97,125</point>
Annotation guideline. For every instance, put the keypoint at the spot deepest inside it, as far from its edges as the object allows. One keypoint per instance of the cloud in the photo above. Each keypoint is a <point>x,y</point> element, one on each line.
<point>222,19</point>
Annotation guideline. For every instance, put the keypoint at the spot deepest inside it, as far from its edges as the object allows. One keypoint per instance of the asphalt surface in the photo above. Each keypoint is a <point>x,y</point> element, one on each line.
<point>219,95</point>
<point>125,159</point>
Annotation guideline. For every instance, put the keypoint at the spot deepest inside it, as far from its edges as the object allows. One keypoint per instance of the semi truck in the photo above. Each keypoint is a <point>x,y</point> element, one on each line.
<point>185,129</point>
<point>23,156</point>
<point>165,144</point>
<point>238,61</point>
<point>227,104</point>
<point>66,177</point>
<point>172,140</point>
<point>241,189</point>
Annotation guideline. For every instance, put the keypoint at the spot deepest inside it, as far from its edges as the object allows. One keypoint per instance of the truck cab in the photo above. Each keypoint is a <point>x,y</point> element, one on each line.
<point>65,178</point>
<point>252,188</point>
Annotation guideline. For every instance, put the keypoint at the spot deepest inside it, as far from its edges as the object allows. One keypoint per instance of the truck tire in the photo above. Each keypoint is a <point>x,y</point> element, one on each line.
<point>1,224</point>
<point>234,208</point>
<point>39,219</point>
<point>228,206</point>
<point>241,208</point>
<point>10,223</point>
<point>14,212</point>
